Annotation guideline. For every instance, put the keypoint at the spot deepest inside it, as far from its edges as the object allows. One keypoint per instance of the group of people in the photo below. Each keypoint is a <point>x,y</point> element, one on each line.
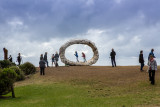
<point>19,58</point>
<point>83,56</point>
<point>44,61</point>
<point>152,65</point>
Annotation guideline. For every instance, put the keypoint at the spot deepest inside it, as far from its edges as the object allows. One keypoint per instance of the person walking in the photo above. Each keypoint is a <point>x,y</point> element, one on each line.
<point>10,58</point>
<point>41,56</point>
<point>84,57</point>
<point>151,53</point>
<point>45,58</point>
<point>42,65</point>
<point>76,54</point>
<point>56,59</point>
<point>113,54</point>
<point>19,59</point>
<point>152,65</point>
<point>53,60</point>
<point>141,60</point>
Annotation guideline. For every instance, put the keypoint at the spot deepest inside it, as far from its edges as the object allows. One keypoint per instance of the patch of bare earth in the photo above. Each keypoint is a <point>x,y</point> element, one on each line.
<point>101,75</point>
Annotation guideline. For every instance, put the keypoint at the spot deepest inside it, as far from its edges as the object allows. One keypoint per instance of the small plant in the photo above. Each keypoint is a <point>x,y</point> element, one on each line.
<point>19,72</point>
<point>28,68</point>
<point>7,79</point>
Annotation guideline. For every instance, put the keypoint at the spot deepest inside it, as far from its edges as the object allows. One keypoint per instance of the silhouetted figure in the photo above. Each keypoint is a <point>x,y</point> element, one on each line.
<point>53,59</point>
<point>151,53</point>
<point>113,54</point>
<point>84,57</point>
<point>10,58</point>
<point>76,54</point>
<point>19,59</point>
<point>56,57</point>
<point>45,58</point>
<point>152,64</point>
<point>42,65</point>
<point>141,60</point>
<point>41,57</point>
<point>5,53</point>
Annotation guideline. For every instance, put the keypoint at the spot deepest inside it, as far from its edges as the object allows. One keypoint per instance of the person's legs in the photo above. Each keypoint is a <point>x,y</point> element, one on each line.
<point>40,71</point>
<point>149,75</point>
<point>43,71</point>
<point>112,62</point>
<point>47,64</point>
<point>77,59</point>
<point>19,63</point>
<point>141,66</point>
<point>153,77</point>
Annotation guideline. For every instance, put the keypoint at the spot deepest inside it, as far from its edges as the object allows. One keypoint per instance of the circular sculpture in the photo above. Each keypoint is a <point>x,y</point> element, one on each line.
<point>93,60</point>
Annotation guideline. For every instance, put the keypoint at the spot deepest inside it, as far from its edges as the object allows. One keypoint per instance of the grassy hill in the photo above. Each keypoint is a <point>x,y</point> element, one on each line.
<point>88,86</point>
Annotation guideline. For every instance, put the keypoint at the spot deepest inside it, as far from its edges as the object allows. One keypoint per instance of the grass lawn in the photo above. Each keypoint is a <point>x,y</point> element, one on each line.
<point>83,93</point>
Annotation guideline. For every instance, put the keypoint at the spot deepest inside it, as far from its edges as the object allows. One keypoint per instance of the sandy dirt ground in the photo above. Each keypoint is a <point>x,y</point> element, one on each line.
<point>101,75</point>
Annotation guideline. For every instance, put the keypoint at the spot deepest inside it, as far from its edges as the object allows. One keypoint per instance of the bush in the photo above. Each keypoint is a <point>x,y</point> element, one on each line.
<point>19,72</point>
<point>28,68</point>
<point>7,79</point>
<point>6,64</point>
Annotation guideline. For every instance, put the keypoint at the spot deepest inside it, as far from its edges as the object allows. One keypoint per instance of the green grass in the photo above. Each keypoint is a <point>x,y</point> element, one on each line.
<point>87,95</point>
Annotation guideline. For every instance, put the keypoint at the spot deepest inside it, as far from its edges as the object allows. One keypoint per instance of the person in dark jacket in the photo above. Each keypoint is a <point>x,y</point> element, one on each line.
<point>113,54</point>
<point>10,58</point>
<point>42,67</point>
<point>151,53</point>
<point>141,60</point>
<point>45,58</point>
<point>19,59</point>
<point>56,57</point>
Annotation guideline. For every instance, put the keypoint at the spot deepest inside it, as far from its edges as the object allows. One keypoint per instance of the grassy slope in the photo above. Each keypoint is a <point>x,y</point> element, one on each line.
<point>86,89</point>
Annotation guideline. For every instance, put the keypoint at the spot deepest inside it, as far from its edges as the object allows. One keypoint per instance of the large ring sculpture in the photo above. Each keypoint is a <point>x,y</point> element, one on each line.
<point>93,60</point>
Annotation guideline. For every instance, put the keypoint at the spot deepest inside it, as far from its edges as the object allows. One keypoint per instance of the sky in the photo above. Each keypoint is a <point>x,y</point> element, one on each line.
<point>33,27</point>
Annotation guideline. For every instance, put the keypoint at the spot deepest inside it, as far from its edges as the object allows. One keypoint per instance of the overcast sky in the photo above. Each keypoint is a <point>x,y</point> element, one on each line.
<point>33,27</point>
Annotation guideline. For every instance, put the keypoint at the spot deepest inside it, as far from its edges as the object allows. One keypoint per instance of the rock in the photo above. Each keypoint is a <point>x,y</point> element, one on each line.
<point>93,60</point>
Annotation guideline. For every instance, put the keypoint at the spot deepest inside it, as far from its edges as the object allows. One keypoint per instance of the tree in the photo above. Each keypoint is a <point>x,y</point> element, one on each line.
<point>7,79</point>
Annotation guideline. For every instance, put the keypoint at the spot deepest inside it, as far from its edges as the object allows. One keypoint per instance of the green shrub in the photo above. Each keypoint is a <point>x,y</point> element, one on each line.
<point>7,79</point>
<point>19,72</point>
<point>28,68</point>
<point>6,64</point>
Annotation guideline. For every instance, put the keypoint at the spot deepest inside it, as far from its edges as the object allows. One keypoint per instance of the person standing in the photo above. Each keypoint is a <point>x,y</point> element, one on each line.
<point>10,58</point>
<point>151,53</point>
<point>113,54</point>
<point>45,58</point>
<point>42,67</point>
<point>53,60</point>
<point>76,54</point>
<point>56,57</point>
<point>19,59</point>
<point>41,56</point>
<point>152,64</point>
<point>141,60</point>
<point>84,57</point>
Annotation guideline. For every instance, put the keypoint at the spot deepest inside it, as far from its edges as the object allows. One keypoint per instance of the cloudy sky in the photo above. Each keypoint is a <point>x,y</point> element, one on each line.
<point>33,27</point>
